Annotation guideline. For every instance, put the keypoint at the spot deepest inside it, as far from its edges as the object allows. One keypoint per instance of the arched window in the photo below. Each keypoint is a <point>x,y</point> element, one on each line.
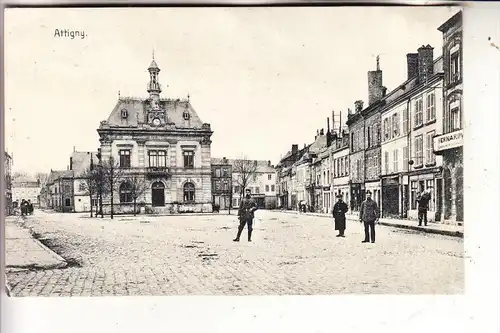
<point>125,192</point>
<point>188,192</point>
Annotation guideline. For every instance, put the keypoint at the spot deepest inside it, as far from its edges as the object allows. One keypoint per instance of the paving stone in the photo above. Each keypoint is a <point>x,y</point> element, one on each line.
<point>300,256</point>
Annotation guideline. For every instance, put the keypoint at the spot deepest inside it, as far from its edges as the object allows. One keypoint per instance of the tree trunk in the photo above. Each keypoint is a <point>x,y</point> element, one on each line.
<point>111,187</point>
<point>135,209</point>
<point>90,196</point>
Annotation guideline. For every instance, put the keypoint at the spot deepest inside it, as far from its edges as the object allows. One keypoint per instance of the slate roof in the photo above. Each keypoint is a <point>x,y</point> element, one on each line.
<point>137,111</point>
<point>262,166</point>
<point>56,174</point>
<point>81,161</point>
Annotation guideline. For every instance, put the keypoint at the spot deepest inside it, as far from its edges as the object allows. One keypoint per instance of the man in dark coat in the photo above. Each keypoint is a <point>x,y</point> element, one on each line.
<point>246,215</point>
<point>369,214</point>
<point>339,210</point>
<point>423,206</point>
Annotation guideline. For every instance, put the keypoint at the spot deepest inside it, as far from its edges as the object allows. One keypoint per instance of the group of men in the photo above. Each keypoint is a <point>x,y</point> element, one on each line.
<point>26,207</point>
<point>369,214</point>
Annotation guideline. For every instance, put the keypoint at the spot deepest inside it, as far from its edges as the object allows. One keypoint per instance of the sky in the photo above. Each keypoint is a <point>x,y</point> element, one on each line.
<point>264,78</point>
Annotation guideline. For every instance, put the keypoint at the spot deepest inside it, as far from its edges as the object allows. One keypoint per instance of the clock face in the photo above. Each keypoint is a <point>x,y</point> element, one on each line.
<point>156,122</point>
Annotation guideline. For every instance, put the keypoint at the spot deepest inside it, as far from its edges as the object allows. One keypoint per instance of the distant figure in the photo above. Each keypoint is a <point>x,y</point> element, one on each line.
<point>423,206</point>
<point>369,214</point>
<point>24,209</point>
<point>246,215</point>
<point>30,207</point>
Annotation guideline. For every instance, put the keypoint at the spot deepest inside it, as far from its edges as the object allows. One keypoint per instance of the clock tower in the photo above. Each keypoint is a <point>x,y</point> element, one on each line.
<point>156,114</point>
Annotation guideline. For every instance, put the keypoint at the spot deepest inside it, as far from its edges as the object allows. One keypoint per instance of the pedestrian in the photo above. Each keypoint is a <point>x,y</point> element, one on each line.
<point>369,214</point>
<point>23,207</point>
<point>30,207</point>
<point>423,206</point>
<point>339,210</point>
<point>246,215</point>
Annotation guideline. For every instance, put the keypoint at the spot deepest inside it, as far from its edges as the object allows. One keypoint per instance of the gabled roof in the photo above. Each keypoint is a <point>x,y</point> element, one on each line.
<point>262,166</point>
<point>57,174</point>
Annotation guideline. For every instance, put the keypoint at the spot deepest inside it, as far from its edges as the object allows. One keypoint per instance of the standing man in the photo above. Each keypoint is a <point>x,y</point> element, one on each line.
<point>423,206</point>
<point>246,215</point>
<point>339,210</point>
<point>369,214</point>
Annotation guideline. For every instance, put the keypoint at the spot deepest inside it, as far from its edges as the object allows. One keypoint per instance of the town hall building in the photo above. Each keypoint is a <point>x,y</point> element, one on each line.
<point>164,143</point>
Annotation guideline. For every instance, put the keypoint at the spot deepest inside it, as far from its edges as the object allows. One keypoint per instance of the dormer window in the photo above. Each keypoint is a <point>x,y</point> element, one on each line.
<point>124,114</point>
<point>186,115</point>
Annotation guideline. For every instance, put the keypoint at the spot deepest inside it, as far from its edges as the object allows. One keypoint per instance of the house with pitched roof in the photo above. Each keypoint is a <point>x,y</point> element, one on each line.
<point>80,162</point>
<point>163,141</point>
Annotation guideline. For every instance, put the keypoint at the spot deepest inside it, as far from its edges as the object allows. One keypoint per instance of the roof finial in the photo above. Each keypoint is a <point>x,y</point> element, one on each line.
<point>118,94</point>
<point>153,54</point>
<point>188,97</point>
<point>378,62</point>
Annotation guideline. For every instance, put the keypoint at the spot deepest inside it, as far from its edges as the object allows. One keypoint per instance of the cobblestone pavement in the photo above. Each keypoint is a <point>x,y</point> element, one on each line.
<point>290,254</point>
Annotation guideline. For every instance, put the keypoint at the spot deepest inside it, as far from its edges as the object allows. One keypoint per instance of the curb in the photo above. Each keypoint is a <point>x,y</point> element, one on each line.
<point>60,264</point>
<point>423,229</point>
<point>456,233</point>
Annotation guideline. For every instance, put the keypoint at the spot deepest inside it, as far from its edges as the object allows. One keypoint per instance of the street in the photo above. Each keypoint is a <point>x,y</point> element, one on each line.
<point>186,255</point>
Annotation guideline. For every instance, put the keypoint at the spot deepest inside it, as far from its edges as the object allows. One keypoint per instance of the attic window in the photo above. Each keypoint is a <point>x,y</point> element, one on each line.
<point>124,114</point>
<point>186,115</point>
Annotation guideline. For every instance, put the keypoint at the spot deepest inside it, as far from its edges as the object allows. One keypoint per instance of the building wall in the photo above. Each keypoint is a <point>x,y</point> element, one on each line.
<point>357,156</point>
<point>178,176</point>
<point>264,184</point>
<point>26,192</point>
<point>372,144</point>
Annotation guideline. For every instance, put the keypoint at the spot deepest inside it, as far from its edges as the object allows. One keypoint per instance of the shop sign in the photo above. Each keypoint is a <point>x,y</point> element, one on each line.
<point>448,141</point>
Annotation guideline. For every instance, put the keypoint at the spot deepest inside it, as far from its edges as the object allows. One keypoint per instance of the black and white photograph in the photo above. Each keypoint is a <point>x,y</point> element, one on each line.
<point>233,151</point>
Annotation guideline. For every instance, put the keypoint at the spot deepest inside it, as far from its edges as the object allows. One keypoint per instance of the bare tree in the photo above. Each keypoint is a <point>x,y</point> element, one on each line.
<point>138,186</point>
<point>42,178</point>
<point>91,184</point>
<point>245,171</point>
<point>19,174</point>
<point>111,173</point>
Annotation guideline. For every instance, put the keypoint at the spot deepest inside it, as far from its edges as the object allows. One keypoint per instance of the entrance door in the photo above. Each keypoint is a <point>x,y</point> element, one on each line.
<point>158,194</point>
<point>439,198</point>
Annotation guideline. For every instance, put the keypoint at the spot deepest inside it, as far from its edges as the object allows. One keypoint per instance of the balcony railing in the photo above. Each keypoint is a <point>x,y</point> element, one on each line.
<point>157,171</point>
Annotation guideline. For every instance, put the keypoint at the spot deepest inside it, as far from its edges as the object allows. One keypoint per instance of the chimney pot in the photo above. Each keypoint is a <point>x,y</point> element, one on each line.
<point>412,65</point>
<point>425,62</point>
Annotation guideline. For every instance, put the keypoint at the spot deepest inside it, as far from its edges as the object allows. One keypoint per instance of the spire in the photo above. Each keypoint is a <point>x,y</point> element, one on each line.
<point>154,87</point>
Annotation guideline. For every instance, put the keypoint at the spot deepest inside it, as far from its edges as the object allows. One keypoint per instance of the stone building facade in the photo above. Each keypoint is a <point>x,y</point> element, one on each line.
<point>222,181</point>
<point>341,168</point>
<point>356,123</point>
<point>164,142</point>
<point>450,143</point>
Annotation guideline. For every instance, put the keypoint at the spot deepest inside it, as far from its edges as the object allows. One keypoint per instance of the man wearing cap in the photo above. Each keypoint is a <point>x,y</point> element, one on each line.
<point>369,214</point>
<point>246,215</point>
<point>339,210</point>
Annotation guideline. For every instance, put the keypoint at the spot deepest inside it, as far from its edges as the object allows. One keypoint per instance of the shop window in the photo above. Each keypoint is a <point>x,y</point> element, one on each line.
<point>414,190</point>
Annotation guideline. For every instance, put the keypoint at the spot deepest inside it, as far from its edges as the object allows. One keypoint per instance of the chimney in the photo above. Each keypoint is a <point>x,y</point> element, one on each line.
<point>425,62</point>
<point>358,106</point>
<point>327,125</point>
<point>322,132</point>
<point>412,64</point>
<point>74,149</point>
<point>268,163</point>
<point>375,84</point>
<point>71,163</point>
<point>295,148</point>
